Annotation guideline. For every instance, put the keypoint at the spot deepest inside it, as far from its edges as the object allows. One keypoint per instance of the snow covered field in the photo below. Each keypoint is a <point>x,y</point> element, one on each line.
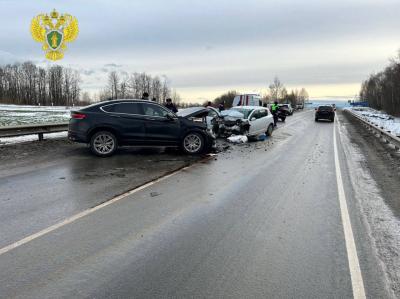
<point>12,115</point>
<point>384,121</point>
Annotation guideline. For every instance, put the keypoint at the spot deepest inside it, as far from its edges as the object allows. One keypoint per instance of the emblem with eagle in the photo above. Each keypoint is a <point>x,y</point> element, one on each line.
<point>54,31</point>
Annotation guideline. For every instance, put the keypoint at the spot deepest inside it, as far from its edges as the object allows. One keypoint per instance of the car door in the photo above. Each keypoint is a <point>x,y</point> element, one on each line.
<point>162,126</point>
<point>127,118</point>
<point>255,122</point>
<point>266,119</point>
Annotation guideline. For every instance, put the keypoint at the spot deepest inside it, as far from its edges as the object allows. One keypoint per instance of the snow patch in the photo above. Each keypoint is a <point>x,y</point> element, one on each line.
<point>382,120</point>
<point>13,115</point>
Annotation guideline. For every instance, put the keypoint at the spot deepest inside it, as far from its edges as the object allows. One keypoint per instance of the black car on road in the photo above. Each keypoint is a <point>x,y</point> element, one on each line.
<point>325,112</point>
<point>110,124</point>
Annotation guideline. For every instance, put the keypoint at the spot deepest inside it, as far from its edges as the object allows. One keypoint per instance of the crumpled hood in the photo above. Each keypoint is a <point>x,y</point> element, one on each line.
<point>232,114</point>
<point>193,112</point>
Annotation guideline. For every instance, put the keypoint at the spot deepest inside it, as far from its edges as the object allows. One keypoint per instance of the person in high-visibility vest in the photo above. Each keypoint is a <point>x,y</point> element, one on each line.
<point>274,111</point>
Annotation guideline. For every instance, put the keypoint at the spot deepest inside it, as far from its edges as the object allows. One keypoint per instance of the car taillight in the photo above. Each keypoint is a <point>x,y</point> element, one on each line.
<point>78,115</point>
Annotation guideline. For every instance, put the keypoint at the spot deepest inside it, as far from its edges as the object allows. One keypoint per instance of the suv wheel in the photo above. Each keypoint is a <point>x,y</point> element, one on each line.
<point>103,144</point>
<point>193,143</point>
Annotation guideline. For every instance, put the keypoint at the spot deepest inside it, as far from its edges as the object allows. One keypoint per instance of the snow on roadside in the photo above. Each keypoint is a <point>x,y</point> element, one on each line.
<point>30,138</point>
<point>12,115</point>
<point>384,121</point>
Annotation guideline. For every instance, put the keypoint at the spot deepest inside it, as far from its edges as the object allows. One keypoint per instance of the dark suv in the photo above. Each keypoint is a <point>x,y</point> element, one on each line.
<point>107,125</point>
<point>325,112</point>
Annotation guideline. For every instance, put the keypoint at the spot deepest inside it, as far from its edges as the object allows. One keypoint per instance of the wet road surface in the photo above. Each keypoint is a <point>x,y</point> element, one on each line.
<point>43,183</point>
<point>262,220</point>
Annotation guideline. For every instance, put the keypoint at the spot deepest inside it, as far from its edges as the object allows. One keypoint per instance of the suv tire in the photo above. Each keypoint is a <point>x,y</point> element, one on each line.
<point>193,143</point>
<point>103,144</point>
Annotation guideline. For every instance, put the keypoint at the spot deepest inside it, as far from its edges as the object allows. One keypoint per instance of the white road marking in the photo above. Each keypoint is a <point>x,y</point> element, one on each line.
<point>352,257</point>
<point>89,211</point>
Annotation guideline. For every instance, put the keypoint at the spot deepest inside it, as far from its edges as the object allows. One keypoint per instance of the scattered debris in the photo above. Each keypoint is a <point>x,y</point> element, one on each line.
<point>154,194</point>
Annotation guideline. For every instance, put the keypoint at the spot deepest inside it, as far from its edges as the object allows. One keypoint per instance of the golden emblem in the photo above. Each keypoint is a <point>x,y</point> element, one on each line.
<point>54,31</point>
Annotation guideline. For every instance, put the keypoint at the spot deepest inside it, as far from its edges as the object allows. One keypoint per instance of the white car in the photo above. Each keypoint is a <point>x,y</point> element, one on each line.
<point>251,121</point>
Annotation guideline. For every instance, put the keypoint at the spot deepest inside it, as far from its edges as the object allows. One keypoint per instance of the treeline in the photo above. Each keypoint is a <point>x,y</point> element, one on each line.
<point>279,93</point>
<point>382,90</point>
<point>127,86</point>
<point>28,84</point>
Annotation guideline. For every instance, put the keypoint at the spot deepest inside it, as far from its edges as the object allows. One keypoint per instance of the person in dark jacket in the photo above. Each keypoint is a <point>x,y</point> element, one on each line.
<point>221,107</point>
<point>145,96</point>
<point>171,105</point>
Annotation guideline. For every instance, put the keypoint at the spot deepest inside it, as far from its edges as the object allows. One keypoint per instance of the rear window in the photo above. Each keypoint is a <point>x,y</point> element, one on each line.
<point>325,108</point>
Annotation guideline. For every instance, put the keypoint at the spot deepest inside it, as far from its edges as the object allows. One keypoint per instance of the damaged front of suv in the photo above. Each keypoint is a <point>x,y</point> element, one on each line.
<point>206,115</point>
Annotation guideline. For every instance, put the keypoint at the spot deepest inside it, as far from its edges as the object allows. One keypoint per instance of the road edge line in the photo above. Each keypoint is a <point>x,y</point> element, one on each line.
<point>357,282</point>
<point>89,211</point>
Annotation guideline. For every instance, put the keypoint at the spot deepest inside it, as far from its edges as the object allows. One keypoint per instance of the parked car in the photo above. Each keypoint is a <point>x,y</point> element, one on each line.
<point>246,120</point>
<point>325,112</point>
<point>287,108</point>
<point>300,106</point>
<point>110,124</point>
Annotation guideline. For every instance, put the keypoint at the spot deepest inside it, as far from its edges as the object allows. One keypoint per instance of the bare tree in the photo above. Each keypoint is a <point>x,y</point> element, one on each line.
<point>303,96</point>
<point>277,89</point>
<point>113,84</point>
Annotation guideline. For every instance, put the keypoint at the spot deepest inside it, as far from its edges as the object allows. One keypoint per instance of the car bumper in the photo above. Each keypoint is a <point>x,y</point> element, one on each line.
<point>325,116</point>
<point>77,137</point>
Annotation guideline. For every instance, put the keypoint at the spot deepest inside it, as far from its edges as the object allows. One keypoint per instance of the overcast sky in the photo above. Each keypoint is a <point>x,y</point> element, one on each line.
<point>208,47</point>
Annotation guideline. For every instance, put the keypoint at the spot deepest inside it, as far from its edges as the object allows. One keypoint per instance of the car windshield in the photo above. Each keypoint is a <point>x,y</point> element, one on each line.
<point>245,112</point>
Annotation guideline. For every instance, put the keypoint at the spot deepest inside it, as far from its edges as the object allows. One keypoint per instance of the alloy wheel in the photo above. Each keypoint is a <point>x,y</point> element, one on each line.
<point>104,144</point>
<point>192,143</point>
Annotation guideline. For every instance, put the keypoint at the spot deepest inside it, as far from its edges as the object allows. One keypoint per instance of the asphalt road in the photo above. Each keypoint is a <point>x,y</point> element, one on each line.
<point>261,220</point>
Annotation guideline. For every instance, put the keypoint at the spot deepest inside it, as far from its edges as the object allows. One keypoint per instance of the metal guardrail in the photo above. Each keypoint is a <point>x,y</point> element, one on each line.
<point>40,130</point>
<point>386,136</point>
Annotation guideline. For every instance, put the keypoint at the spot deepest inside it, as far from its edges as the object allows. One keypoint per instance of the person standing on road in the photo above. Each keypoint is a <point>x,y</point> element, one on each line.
<point>221,106</point>
<point>146,96</point>
<point>208,104</point>
<point>171,106</point>
<point>274,111</point>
